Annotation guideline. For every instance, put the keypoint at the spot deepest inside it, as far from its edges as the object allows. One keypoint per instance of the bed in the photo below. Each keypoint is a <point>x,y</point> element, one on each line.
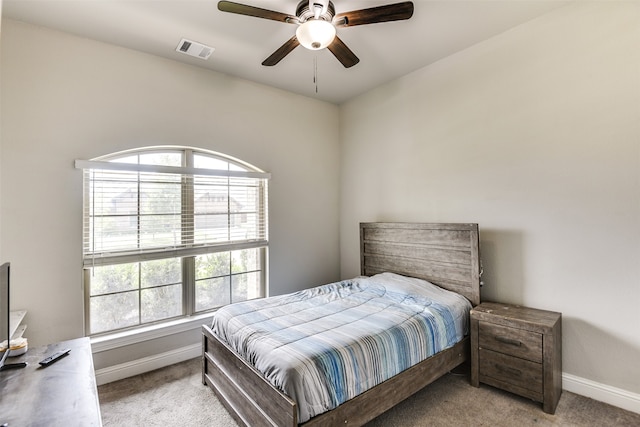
<point>443,254</point>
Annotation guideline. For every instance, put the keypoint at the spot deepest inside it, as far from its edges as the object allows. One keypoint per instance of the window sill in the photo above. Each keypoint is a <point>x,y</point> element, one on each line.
<point>122,339</point>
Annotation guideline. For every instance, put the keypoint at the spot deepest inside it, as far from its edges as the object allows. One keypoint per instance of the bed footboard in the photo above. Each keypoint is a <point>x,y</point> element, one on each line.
<point>248,397</point>
<point>253,402</point>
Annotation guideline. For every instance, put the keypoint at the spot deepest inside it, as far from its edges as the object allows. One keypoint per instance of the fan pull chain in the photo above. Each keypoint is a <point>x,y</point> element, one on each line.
<point>315,71</point>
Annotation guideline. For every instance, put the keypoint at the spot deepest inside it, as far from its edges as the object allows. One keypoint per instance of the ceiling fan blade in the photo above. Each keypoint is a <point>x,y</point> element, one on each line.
<point>374,15</point>
<point>243,9</point>
<point>282,51</point>
<point>343,53</point>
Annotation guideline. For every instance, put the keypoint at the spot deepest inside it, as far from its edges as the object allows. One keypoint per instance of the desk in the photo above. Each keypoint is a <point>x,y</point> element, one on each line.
<point>62,394</point>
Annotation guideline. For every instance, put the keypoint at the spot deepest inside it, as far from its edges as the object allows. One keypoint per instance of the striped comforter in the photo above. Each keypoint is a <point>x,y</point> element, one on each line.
<point>325,345</point>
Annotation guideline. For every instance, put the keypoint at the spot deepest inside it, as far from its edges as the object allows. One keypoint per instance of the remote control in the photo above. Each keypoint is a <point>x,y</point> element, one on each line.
<point>54,357</point>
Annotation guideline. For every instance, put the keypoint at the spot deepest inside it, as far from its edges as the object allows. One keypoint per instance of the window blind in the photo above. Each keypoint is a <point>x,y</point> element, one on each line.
<point>135,212</point>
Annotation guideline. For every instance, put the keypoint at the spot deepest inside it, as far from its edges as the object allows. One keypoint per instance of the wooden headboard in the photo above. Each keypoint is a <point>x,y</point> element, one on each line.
<point>444,254</point>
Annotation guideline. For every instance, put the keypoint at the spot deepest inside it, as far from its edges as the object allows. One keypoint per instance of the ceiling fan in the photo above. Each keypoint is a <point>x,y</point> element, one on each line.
<point>317,25</point>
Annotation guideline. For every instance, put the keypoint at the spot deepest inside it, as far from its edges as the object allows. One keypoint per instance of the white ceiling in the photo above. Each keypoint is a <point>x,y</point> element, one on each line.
<point>386,51</point>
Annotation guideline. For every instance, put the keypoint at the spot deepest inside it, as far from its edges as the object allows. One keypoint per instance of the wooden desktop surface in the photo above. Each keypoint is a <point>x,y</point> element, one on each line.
<point>62,394</point>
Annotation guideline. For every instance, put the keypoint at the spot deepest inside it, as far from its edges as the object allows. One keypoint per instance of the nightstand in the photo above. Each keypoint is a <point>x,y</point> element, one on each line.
<point>518,349</point>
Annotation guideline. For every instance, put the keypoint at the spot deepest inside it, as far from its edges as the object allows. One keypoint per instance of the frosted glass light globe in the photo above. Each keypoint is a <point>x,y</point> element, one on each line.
<point>316,34</point>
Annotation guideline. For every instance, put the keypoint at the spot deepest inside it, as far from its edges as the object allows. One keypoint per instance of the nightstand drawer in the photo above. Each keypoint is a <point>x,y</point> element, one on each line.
<point>511,341</point>
<point>518,372</point>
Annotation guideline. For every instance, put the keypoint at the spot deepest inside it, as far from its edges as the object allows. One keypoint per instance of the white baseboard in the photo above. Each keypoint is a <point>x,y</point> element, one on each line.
<point>146,364</point>
<point>601,392</point>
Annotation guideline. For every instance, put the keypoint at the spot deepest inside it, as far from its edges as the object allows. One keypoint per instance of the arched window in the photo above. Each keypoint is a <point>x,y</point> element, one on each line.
<point>170,232</point>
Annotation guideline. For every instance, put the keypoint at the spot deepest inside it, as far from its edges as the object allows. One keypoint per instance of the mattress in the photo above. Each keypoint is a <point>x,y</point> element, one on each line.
<point>326,345</point>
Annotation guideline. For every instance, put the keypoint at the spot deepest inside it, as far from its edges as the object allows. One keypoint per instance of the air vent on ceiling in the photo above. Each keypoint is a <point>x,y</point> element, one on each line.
<point>194,49</point>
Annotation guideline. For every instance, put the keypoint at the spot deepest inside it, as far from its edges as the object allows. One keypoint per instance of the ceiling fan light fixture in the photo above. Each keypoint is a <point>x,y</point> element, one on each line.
<point>316,34</point>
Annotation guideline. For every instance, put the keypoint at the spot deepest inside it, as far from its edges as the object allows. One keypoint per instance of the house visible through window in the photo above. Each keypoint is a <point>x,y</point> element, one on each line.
<point>168,233</point>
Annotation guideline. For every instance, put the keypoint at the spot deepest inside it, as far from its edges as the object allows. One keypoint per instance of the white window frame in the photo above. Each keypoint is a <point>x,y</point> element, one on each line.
<point>93,258</point>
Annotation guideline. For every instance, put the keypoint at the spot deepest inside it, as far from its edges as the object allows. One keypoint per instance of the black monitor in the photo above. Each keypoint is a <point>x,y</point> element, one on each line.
<point>5,318</point>
<point>5,310</point>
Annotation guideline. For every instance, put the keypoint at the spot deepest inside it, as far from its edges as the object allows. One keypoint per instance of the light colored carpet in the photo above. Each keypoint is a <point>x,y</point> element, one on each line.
<point>175,396</point>
<point>172,396</point>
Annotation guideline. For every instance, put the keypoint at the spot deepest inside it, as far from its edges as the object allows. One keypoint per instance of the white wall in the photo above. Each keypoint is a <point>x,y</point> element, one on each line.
<point>67,98</point>
<point>535,135</point>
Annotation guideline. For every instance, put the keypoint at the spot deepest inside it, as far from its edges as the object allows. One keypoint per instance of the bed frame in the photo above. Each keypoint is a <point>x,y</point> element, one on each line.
<point>444,254</point>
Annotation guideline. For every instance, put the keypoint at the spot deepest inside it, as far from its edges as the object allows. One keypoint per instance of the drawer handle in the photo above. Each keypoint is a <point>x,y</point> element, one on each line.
<point>508,341</point>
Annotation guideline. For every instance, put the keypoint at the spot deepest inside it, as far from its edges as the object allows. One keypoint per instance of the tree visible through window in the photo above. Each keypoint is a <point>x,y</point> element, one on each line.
<point>170,233</point>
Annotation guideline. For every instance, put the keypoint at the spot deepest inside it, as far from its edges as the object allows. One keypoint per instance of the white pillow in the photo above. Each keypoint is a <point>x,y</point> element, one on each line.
<point>412,285</point>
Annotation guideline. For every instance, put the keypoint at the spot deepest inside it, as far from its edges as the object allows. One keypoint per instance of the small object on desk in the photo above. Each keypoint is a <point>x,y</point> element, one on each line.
<point>8,366</point>
<point>18,346</point>
<point>54,357</point>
